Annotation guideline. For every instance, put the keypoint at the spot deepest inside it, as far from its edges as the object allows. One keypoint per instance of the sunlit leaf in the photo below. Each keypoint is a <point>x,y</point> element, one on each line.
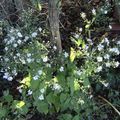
<point>72,54</point>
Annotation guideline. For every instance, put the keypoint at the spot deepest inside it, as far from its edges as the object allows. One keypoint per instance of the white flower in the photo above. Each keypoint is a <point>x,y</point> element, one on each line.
<point>40,29</point>
<point>6,59</point>
<point>41,97</point>
<point>66,54</point>
<point>19,89</point>
<point>42,90</point>
<point>99,69</point>
<point>28,54</point>
<point>40,72</point>
<point>114,50</point>
<point>54,47</point>
<point>118,42</point>
<point>105,84</point>
<point>48,65</point>
<point>107,56</point>
<point>6,75</point>
<point>61,69</point>
<point>107,64</point>
<point>99,59</point>
<point>36,77</point>
<point>34,34</point>
<point>45,59</point>
<point>80,29</point>
<point>29,60</point>
<point>26,38</point>
<point>100,47</point>
<point>19,41</point>
<point>83,15</point>
<point>110,26</point>
<point>106,41</point>
<point>56,87</point>
<point>30,92</point>
<point>76,36</point>
<point>105,12</point>
<point>15,45</point>
<point>93,11</point>
<point>116,64</point>
<point>10,78</point>
<point>6,48</point>
<point>19,34</point>
<point>18,54</point>
<point>78,72</point>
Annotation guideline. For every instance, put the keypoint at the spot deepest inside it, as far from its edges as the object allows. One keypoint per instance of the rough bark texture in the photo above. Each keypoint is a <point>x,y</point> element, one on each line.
<point>54,24</point>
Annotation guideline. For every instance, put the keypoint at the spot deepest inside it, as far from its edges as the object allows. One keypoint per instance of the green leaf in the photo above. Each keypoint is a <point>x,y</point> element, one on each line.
<point>63,97</point>
<point>26,81</point>
<point>3,112</point>
<point>72,54</point>
<point>86,83</point>
<point>71,84</point>
<point>42,107</point>
<point>35,84</point>
<point>77,117</point>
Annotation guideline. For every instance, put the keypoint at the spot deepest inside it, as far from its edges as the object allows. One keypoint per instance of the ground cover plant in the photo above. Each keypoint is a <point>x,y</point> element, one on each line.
<point>37,82</point>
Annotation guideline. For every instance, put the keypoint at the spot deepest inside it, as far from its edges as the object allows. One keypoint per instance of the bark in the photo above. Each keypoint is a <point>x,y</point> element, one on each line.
<point>54,24</point>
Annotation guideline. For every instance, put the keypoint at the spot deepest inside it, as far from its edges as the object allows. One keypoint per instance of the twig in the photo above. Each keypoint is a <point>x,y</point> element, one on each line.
<point>110,104</point>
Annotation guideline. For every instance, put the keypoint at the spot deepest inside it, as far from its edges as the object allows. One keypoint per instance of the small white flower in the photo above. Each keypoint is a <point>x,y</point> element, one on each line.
<point>36,77</point>
<point>19,89</point>
<point>40,72</point>
<point>41,97</point>
<point>42,90</point>
<point>93,11</point>
<point>10,78</point>
<point>105,12</point>
<point>15,45</point>
<point>61,69</point>
<point>107,64</point>
<point>30,92</point>
<point>19,41</point>
<point>34,34</point>
<point>26,38</point>
<point>116,64</point>
<point>48,65</point>
<point>18,54</point>
<point>118,42</point>
<point>99,59</point>
<point>110,26</point>
<point>6,59</point>
<point>80,29</point>
<point>76,36</point>
<point>114,50</point>
<point>66,54</point>
<point>100,47</point>
<point>40,29</point>
<point>29,60</point>
<point>54,47</point>
<point>28,54</point>
<point>6,75</point>
<point>45,59</point>
<point>99,69</point>
<point>56,87</point>
<point>6,48</point>
<point>78,72</point>
<point>107,56</point>
<point>83,15</point>
<point>19,34</point>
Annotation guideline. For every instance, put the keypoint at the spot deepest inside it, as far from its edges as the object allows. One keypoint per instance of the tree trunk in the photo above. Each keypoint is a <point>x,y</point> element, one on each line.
<point>54,24</point>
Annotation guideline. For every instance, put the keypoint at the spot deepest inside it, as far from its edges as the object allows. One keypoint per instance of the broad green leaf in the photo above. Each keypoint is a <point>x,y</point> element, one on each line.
<point>42,107</point>
<point>77,117</point>
<point>72,54</point>
<point>71,84</point>
<point>63,97</point>
<point>26,81</point>
<point>86,83</point>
